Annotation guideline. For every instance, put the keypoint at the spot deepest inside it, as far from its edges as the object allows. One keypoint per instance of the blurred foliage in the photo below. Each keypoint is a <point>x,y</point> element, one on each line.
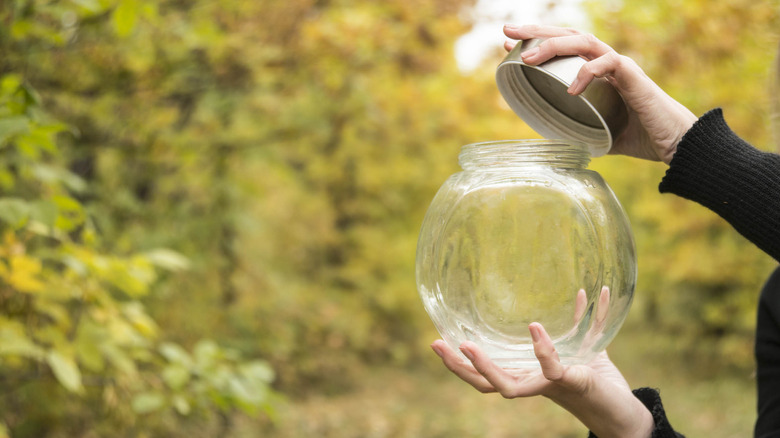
<point>79,349</point>
<point>187,183</point>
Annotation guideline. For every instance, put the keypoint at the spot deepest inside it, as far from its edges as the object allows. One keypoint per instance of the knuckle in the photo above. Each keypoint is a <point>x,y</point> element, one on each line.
<point>616,59</point>
<point>591,39</point>
<point>549,46</point>
<point>588,71</point>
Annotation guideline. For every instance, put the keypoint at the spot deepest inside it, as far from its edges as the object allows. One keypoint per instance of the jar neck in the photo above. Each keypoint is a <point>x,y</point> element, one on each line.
<point>561,154</point>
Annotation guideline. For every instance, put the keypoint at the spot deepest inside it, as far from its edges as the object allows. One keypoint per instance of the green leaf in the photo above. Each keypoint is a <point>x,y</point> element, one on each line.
<point>71,213</point>
<point>257,371</point>
<point>175,354</point>
<point>65,370</point>
<point>206,352</point>
<point>10,83</point>
<point>14,211</point>
<point>176,376</point>
<point>125,17</point>
<point>168,259</point>
<point>147,402</point>
<point>88,340</point>
<point>181,405</point>
<point>119,359</point>
<point>16,343</point>
<point>13,126</point>
<point>93,6</point>
<point>44,212</point>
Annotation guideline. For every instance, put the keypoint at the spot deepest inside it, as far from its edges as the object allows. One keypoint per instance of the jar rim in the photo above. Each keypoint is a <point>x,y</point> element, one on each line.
<point>530,142</point>
<point>513,153</point>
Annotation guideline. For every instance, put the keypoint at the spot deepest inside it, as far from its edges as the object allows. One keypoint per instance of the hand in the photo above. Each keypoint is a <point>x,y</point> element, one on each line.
<point>656,122</point>
<point>596,393</point>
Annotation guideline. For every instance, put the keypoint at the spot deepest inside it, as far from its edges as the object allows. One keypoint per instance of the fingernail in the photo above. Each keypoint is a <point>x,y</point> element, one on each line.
<point>573,86</point>
<point>510,26</point>
<point>534,333</point>
<point>437,351</point>
<point>531,53</point>
<point>468,354</point>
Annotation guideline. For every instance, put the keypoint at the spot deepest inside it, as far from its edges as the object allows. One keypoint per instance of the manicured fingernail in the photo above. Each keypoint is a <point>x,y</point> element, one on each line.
<point>468,354</point>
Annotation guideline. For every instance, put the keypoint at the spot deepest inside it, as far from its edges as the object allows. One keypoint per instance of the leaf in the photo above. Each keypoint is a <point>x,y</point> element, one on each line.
<point>175,354</point>
<point>147,402</point>
<point>13,211</point>
<point>206,352</point>
<point>180,403</point>
<point>52,175</point>
<point>44,212</point>
<point>89,338</point>
<point>23,273</point>
<point>11,126</point>
<point>125,17</point>
<point>119,359</point>
<point>16,343</point>
<point>136,315</point>
<point>176,376</point>
<point>257,371</point>
<point>65,370</point>
<point>71,213</point>
<point>168,259</point>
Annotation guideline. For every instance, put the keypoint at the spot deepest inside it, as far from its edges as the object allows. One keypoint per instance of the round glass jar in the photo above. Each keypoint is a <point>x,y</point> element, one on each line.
<point>525,233</point>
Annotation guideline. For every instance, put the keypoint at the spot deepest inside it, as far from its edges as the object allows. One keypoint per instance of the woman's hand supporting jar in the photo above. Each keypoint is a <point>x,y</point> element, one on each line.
<point>596,393</point>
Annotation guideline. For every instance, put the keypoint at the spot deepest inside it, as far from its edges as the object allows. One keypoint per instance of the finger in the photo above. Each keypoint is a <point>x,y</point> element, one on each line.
<point>603,306</point>
<point>464,370</point>
<point>622,70</point>
<point>545,352</point>
<point>586,46</point>
<point>529,31</point>
<point>580,304</point>
<point>506,384</point>
<point>573,378</point>
<point>509,45</point>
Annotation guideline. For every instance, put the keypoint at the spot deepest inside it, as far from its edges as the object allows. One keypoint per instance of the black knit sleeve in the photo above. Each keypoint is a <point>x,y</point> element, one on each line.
<point>719,170</point>
<point>652,401</point>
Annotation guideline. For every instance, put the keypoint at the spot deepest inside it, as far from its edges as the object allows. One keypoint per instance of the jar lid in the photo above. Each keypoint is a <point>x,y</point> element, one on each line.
<point>538,95</point>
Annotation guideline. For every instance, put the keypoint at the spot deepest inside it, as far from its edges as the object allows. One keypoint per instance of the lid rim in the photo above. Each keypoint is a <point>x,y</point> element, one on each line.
<point>548,119</point>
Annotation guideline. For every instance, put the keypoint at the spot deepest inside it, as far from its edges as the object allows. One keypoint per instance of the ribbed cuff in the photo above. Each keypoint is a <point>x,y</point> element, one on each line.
<point>719,170</point>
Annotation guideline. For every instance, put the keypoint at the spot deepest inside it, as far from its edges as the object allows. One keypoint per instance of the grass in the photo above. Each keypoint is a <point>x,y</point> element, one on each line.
<point>429,402</point>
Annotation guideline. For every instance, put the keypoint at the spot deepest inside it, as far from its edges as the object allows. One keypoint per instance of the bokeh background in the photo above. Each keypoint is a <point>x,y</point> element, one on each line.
<point>209,212</point>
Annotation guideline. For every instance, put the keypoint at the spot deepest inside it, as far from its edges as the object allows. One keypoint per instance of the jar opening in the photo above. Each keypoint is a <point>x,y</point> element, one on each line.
<point>518,153</point>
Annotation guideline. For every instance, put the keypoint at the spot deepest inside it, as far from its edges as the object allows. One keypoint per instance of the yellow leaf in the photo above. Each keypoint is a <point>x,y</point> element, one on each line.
<point>23,274</point>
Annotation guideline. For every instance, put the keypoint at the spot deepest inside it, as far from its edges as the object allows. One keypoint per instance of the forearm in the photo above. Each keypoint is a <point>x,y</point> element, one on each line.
<point>717,169</point>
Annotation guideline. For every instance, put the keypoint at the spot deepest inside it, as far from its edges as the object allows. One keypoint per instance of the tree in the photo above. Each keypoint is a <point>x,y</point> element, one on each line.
<point>79,349</point>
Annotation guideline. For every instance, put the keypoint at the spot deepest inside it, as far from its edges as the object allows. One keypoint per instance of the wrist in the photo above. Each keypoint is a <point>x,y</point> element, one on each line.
<point>608,410</point>
<point>686,119</point>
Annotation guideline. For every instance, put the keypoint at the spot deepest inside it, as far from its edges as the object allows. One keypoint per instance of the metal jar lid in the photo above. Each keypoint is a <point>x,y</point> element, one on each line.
<point>538,95</point>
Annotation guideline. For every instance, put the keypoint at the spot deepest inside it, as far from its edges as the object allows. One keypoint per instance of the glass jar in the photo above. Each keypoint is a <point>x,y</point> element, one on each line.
<point>525,233</point>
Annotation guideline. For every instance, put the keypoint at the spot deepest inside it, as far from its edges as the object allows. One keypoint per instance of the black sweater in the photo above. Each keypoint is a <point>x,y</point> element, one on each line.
<point>719,170</point>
